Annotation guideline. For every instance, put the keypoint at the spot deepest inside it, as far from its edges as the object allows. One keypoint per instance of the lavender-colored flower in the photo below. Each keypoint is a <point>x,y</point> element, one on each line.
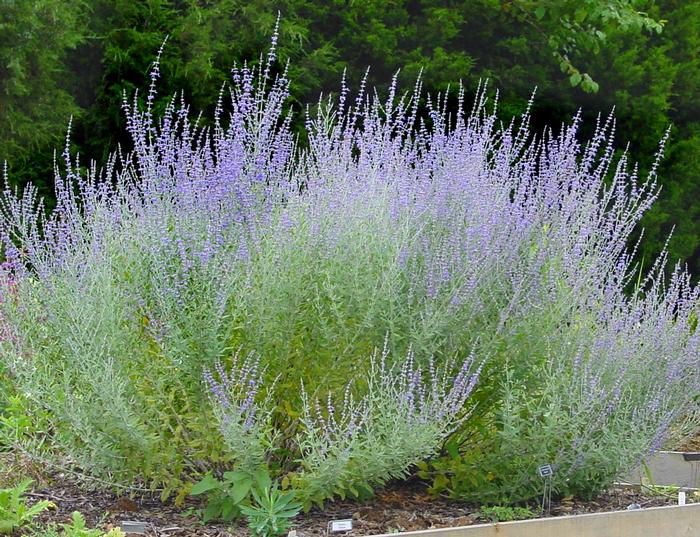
<point>450,232</point>
<point>244,419</point>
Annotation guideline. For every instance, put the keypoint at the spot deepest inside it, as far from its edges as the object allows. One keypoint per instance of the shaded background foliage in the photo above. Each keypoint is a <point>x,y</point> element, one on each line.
<point>60,58</point>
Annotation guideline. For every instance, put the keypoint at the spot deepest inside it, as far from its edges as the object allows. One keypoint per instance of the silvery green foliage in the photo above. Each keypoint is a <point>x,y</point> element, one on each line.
<point>610,379</point>
<point>402,419</point>
<point>612,384</point>
<point>245,420</point>
<point>447,231</point>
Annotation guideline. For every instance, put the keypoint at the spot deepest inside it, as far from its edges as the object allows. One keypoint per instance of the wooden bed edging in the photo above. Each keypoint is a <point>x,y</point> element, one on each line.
<point>674,521</point>
<point>677,468</point>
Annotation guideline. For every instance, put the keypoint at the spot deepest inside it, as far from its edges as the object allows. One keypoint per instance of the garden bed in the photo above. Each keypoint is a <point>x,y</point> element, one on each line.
<point>397,509</point>
<point>446,295</point>
<point>668,468</point>
<point>691,445</point>
<point>672,520</point>
<point>680,467</point>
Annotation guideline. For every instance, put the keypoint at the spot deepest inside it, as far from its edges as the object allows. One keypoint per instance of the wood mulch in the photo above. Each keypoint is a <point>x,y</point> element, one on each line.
<point>400,508</point>
<point>691,444</point>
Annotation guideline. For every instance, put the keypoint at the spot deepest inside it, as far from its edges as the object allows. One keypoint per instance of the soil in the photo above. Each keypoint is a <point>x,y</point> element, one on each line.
<point>401,508</point>
<point>691,444</point>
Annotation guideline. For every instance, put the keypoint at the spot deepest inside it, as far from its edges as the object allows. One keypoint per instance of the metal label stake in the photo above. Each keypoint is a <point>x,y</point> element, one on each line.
<point>546,472</point>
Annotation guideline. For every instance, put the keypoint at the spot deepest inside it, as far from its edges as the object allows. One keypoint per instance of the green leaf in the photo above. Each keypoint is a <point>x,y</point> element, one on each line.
<point>37,508</point>
<point>366,491</point>
<point>236,477</point>
<point>256,497</point>
<point>440,482</point>
<point>575,79</point>
<point>453,450</point>
<point>588,84</point>
<point>6,526</point>
<point>78,520</point>
<point>262,478</point>
<point>229,511</point>
<point>288,513</point>
<point>285,482</point>
<point>240,492</point>
<point>205,485</point>
<point>284,500</point>
<point>539,13</point>
<point>248,510</point>
<point>212,511</point>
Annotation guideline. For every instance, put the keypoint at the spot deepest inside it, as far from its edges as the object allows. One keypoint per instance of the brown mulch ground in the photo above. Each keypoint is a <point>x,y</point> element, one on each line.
<point>691,444</point>
<point>402,508</point>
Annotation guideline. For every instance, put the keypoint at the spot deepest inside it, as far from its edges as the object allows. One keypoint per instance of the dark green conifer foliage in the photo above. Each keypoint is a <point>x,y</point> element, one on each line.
<point>67,58</point>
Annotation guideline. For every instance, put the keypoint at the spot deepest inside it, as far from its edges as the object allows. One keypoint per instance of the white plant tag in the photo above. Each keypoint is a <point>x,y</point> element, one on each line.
<point>131,526</point>
<point>337,526</point>
<point>681,497</point>
<point>546,470</point>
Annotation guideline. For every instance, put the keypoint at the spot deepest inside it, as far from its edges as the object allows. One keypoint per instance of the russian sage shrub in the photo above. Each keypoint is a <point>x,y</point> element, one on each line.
<point>609,386</point>
<point>402,419</point>
<point>245,422</point>
<point>443,231</point>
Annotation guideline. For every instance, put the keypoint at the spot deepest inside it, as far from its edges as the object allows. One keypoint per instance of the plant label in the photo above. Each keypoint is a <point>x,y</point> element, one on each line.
<point>337,526</point>
<point>546,470</point>
<point>681,497</point>
<point>129,526</point>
